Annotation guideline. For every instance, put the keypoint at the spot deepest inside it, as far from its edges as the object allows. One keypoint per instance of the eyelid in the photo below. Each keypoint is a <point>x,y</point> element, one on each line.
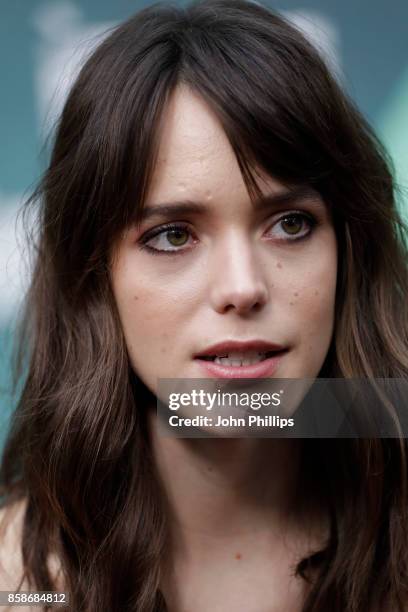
<point>162,229</point>
<point>310,219</point>
<point>185,225</point>
<point>149,234</point>
<point>287,213</point>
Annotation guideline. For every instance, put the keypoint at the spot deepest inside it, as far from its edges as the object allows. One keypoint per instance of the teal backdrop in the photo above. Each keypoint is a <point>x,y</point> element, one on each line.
<point>41,46</point>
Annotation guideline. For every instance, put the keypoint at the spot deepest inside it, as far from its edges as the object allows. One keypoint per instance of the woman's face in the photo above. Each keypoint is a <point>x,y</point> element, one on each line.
<point>230,271</point>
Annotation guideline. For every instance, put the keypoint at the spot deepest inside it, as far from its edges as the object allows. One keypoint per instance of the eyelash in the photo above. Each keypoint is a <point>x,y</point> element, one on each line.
<point>311,220</point>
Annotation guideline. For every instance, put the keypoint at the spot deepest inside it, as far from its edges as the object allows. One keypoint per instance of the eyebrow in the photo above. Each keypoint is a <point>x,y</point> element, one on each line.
<point>287,197</point>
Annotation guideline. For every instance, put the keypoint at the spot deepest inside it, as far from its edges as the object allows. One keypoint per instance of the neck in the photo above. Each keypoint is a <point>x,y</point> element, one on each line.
<point>223,488</point>
<point>232,507</point>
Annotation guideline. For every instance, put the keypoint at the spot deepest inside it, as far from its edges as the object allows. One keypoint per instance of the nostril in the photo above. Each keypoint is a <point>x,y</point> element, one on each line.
<point>243,301</point>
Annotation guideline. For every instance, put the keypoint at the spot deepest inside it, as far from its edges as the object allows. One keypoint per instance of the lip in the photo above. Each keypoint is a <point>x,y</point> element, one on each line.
<point>240,345</point>
<point>263,369</point>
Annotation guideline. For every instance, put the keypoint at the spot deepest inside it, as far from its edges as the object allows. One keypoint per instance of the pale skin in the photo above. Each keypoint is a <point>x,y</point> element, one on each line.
<point>233,543</point>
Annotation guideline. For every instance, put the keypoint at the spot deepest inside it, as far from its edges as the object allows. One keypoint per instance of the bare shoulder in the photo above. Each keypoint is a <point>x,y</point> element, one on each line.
<point>11,564</point>
<point>11,560</point>
<point>11,529</point>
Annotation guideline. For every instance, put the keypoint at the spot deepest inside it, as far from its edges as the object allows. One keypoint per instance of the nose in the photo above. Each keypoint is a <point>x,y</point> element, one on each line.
<point>237,280</point>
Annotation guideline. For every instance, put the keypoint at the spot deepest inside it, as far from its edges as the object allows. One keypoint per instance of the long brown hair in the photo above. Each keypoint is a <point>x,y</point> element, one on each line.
<point>78,449</point>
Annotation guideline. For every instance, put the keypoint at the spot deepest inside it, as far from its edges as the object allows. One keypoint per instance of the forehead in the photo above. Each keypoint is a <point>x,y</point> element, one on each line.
<point>194,154</point>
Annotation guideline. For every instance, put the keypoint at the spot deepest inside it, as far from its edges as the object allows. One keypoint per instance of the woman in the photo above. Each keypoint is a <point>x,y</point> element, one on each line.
<point>209,183</point>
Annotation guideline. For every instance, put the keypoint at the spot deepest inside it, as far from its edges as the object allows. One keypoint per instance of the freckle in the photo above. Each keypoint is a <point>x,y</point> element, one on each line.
<point>238,556</point>
<point>316,292</point>
<point>296,294</point>
<point>279,265</point>
<point>291,303</point>
<point>135,297</point>
<point>210,469</point>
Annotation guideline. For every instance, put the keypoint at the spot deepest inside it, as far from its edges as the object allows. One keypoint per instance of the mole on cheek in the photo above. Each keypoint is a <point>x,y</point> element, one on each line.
<point>296,294</point>
<point>238,556</point>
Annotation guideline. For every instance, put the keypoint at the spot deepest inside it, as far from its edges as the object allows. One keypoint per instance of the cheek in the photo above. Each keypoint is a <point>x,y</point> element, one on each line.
<point>152,309</point>
<point>144,312</point>
<point>159,293</point>
<point>312,306</point>
<point>145,328</point>
<point>305,288</point>
<point>315,302</point>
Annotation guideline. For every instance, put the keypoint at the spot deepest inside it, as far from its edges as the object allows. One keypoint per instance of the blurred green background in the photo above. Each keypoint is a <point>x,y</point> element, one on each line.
<point>41,46</point>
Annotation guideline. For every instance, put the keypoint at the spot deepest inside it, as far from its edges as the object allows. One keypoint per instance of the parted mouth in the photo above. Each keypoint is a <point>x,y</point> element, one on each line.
<point>239,358</point>
<point>240,352</point>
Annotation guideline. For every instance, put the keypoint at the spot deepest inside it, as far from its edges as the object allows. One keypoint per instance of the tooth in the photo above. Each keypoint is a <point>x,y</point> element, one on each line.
<point>237,359</point>
<point>237,362</point>
<point>234,355</point>
<point>244,355</point>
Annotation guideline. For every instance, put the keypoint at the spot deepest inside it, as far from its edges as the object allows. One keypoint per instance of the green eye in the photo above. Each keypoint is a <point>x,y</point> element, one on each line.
<point>292,227</point>
<point>292,224</point>
<point>169,240</point>
<point>177,237</point>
